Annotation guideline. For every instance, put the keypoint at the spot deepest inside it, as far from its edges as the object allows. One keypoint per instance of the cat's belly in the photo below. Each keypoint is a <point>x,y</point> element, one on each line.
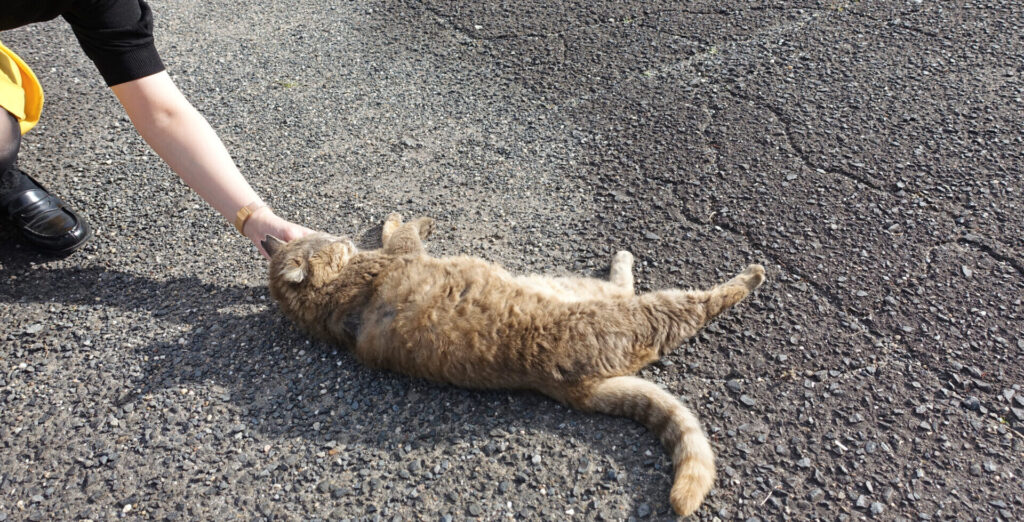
<point>479,327</point>
<point>438,354</point>
<point>468,345</point>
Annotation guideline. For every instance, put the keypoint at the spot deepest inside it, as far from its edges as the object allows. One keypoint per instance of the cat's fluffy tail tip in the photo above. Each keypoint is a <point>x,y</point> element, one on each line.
<point>687,495</point>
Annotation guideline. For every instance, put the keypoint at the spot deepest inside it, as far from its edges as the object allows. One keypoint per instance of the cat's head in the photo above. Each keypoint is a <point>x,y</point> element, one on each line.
<point>307,263</point>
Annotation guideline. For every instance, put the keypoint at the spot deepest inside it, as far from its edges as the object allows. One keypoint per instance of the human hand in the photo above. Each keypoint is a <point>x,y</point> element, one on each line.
<point>263,222</point>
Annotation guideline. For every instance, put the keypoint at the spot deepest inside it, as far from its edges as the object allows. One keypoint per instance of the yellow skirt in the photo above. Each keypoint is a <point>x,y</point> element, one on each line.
<point>20,92</point>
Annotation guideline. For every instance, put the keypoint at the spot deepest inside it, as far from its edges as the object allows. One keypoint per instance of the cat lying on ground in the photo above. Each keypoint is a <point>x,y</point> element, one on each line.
<point>464,321</point>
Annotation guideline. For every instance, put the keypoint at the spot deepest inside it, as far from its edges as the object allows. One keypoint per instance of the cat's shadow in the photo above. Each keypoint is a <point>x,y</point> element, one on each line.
<point>231,343</point>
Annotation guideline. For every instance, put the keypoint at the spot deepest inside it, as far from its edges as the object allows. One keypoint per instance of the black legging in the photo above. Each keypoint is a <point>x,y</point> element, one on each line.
<point>10,143</point>
<point>10,140</point>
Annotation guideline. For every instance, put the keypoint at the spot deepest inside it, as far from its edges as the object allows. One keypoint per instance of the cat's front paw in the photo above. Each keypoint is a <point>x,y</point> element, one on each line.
<point>392,223</point>
<point>624,259</point>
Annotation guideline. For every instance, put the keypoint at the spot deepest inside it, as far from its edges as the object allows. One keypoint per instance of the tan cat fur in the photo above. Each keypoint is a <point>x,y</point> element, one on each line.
<point>467,322</point>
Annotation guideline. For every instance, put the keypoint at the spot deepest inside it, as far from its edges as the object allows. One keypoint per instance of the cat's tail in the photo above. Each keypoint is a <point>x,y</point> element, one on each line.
<point>677,427</point>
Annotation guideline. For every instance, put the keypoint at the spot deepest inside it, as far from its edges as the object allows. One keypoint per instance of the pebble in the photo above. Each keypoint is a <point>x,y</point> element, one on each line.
<point>747,400</point>
<point>972,403</point>
<point>877,508</point>
<point>733,385</point>
<point>1018,413</point>
<point>584,467</point>
<point>643,510</point>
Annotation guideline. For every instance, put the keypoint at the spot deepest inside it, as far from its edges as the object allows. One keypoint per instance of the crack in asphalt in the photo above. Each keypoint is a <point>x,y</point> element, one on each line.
<point>876,336</point>
<point>471,35</point>
<point>944,208</point>
<point>702,129</point>
<point>679,65</point>
<point>967,239</point>
<point>862,322</point>
<point>830,297</point>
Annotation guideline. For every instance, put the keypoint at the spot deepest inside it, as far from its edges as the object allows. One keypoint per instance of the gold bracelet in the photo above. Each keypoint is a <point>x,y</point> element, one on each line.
<point>245,213</point>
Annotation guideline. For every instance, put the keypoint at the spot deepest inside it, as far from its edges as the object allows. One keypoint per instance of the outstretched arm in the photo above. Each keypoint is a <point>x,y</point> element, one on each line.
<point>184,139</point>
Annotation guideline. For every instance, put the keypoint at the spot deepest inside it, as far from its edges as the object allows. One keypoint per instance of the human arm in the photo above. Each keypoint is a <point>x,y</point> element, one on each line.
<point>185,140</point>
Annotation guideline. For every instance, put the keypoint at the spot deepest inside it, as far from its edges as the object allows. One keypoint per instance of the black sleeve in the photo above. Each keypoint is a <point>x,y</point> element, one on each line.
<point>118,36</point>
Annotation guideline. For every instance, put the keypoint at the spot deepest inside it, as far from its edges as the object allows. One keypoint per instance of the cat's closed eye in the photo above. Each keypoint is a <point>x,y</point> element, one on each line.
<point>293,271</point>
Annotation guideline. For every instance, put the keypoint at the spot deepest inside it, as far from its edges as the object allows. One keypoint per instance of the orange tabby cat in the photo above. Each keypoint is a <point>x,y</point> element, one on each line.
<point>470,323</point>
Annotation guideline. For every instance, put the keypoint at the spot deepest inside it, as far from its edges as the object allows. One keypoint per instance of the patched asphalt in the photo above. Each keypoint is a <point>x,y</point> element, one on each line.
<point>867,153</point>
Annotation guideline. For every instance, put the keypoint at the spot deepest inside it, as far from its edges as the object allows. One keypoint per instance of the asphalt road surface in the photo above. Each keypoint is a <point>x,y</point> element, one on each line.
<point>869,154</point>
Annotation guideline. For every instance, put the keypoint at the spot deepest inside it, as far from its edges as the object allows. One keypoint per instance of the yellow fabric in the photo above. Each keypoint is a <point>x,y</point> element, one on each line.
<point>20,92</point>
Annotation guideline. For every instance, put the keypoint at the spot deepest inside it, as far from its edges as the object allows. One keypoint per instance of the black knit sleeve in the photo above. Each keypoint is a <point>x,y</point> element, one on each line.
<point>118,36</point>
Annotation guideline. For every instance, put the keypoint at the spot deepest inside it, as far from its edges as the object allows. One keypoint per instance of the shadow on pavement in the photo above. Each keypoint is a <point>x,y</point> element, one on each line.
<point>229,345</point>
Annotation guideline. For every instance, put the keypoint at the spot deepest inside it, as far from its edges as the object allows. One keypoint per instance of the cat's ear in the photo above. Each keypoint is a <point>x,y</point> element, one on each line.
<point>272,244</point>
<point>294,270</point>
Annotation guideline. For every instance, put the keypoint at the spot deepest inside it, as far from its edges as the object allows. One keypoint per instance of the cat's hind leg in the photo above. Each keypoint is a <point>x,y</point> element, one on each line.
<point>621,273</point>
<point>676,315</point>
<point>391,224</point>
<point>734,290</point>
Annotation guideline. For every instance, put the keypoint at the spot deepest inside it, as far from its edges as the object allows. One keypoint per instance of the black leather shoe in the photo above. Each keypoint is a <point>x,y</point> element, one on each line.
<point>45,222</point>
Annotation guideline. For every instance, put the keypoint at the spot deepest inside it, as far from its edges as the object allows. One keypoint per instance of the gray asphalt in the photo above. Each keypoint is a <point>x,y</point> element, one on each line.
<point>867,153</point>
